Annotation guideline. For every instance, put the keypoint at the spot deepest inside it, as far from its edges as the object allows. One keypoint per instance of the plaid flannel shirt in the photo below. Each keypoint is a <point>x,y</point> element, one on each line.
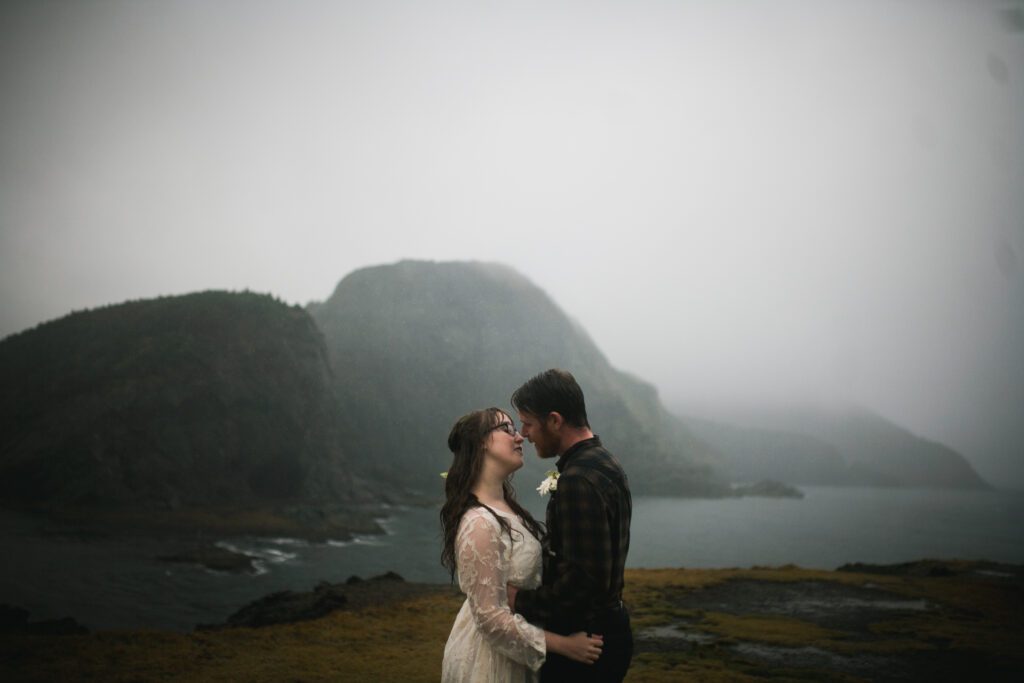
<point>587,541</point>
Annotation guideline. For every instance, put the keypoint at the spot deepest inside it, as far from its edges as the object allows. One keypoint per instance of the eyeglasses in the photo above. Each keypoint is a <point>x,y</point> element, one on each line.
<point>506,427</point>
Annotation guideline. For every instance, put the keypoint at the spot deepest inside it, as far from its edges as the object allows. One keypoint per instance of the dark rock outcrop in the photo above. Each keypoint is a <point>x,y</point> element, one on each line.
<point>213,557</point>
<point>286,607</point>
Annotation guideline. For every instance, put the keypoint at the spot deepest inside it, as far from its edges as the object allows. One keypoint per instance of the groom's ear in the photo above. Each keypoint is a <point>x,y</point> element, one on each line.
<point>555,421</point>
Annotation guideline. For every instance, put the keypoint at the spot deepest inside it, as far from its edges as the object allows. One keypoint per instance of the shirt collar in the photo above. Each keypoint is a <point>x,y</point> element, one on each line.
<point>563,459</point>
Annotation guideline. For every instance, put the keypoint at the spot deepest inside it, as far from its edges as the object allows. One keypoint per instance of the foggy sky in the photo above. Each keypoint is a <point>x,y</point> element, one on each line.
<point>740,201</point>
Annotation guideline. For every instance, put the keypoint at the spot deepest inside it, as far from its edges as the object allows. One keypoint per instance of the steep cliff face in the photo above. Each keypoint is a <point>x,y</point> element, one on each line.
<point>212,398</point>
<point>415,345</point>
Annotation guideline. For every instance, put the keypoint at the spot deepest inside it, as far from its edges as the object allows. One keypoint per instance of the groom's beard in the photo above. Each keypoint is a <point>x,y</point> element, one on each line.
<point>546,445</point>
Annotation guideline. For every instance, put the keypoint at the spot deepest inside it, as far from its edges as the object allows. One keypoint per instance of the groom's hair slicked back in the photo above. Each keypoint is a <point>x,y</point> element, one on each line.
<point>552,391</point>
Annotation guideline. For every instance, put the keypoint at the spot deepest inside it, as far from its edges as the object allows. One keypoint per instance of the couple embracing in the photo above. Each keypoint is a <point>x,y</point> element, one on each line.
<point>540,602</point>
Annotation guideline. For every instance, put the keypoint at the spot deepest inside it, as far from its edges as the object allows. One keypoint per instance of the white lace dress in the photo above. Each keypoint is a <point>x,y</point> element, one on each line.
<point>488,642</point>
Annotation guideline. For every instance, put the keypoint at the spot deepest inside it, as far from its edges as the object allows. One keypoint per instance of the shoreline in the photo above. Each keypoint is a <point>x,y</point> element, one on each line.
<point>116,581</point>
<point>300,521</point>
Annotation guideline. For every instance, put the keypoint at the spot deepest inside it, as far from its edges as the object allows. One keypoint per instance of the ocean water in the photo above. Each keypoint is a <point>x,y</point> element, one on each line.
<point>829,527</point>
<point>110,583</point>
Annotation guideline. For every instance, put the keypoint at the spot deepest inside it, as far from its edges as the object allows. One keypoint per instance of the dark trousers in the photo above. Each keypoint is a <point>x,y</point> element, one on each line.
<point>615,655</point>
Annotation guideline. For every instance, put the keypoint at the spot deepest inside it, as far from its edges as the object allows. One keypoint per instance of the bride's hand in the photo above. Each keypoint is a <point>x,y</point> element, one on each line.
<point>511,591</point>
<point>580,647</point>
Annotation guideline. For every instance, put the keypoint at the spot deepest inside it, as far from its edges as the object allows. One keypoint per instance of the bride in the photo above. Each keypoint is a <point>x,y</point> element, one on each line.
<point>490,540</point>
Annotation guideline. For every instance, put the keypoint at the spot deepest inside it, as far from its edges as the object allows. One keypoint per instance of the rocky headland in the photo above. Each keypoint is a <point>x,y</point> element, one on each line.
<point>208,413</point>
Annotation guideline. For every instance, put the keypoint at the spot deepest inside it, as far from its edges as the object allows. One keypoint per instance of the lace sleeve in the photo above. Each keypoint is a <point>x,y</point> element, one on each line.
<point>483,572</point>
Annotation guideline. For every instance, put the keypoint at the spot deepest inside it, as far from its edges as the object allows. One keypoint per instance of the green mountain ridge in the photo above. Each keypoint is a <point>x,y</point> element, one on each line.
<point>206,399</point>
<point>414,345</point>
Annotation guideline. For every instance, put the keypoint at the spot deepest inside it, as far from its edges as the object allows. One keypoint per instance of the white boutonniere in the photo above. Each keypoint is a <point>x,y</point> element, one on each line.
<point>549,484</point>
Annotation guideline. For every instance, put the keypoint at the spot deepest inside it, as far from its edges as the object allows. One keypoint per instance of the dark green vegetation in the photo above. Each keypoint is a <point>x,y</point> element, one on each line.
<point>181,407</point>
<point>953,621</point>
<point>415,345</point>
<point>839,446</point>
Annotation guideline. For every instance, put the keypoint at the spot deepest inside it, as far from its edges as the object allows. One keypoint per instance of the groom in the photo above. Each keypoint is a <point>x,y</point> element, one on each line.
<point>588,531</point>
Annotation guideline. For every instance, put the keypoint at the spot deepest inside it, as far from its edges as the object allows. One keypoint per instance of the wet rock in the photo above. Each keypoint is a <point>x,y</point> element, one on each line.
<point>286,607</point>
<point>213,557</point>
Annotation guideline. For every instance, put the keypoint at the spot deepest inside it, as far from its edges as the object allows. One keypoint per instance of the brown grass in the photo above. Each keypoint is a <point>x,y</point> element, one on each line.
<point>404,641</point>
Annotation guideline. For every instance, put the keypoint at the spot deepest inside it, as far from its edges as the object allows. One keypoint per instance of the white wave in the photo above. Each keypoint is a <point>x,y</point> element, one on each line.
<point>275,556</point>
<point>272,555</point>
<point>288,541</point>
<point>369,540</point>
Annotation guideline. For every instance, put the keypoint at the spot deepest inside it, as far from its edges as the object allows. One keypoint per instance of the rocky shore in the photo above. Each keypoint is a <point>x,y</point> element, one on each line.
<point>290,607</point>
<point>213,557</point>
<point>927,620</point>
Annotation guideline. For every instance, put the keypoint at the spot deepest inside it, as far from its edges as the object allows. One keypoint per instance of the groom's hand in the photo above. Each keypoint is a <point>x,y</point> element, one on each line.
<point>512,590</point>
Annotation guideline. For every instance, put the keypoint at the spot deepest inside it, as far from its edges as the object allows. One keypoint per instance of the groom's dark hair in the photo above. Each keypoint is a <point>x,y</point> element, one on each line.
<point>552,391</point>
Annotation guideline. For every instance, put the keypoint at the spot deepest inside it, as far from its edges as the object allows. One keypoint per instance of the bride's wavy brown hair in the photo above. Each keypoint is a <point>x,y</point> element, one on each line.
<point>466,442</point>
